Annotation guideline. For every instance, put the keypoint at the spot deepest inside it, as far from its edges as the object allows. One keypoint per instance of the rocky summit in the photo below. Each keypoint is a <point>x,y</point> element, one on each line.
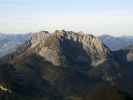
<point>62,65</point>
<point>66,46</point>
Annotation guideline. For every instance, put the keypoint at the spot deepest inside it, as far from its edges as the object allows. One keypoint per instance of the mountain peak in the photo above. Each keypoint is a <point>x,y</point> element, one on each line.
<point>60,63</point>
<point>55,47</point>
<point>64,47</point>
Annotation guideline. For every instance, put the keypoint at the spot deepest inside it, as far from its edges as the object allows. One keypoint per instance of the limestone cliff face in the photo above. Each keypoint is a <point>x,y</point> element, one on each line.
<point>40,36</point>
<point>64,46</point>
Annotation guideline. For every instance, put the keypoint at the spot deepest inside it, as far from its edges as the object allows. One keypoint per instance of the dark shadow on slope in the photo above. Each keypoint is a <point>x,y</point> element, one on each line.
<point>36,78</point>
<point>126,70</point>
<point>74,53</point>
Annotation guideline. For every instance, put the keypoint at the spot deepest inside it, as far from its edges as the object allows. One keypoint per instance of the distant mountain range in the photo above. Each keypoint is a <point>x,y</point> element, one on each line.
<point>66,65</point>
<point>117,43</point>
<point>9,42</point>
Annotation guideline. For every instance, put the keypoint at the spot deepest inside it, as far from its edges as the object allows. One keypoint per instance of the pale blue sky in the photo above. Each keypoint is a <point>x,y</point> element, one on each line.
<point>94,16</point>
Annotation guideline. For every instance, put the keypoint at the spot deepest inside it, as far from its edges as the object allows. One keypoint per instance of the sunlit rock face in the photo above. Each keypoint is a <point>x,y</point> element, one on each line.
<point>40,36</point>
<point>50,46</point>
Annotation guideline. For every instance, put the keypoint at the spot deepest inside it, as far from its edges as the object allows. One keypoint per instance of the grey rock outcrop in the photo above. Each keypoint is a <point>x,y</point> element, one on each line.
<point>49,46</point>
